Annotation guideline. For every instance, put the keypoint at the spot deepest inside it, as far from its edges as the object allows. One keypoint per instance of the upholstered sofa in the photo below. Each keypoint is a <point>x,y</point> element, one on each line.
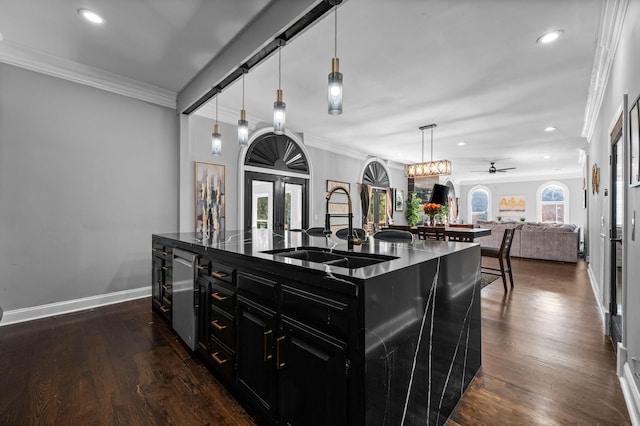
<point>534,240</point>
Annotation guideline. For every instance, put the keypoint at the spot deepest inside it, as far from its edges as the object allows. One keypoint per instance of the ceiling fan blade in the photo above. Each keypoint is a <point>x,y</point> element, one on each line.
<point>504,169</point>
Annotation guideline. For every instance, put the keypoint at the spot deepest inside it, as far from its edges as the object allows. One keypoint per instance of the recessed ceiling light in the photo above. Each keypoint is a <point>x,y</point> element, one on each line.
<point>91,16</point>
<point>549,129</point>
<point>1,37</point>
<point>460,143</point>
<point>549,37</point>
<point>546,156</point>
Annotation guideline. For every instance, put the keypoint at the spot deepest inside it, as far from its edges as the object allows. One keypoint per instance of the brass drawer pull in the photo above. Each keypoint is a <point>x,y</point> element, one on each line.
<point>218,326</point>
<point>218,360</point>
<point>166,287</point>
<point>201,267</point>
<point>164,309</point>
<point>166,268</point>
<point>165,253</point>
<point>155,250</point>
<point>218,274</point>
<point>279,364</point>
<point>267,356</point>
<point>218,297</point>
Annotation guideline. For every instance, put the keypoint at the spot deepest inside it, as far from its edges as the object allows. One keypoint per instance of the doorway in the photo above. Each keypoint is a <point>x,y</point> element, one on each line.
<point>275,202</point>
<point>616,233</point>
<point>276,193</point>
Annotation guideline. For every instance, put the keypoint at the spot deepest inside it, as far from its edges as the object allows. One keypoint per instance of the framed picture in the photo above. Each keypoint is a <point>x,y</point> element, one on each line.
<point>399,200</point>
<point>634,149</point>
<point>512,205</point>
<point>334,183</point>
<point>209,197</point>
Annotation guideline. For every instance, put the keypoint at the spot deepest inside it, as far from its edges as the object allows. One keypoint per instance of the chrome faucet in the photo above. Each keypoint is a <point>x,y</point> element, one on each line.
<point>327,216</point>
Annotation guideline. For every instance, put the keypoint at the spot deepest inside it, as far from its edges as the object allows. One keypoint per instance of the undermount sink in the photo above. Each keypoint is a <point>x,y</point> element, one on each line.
<point>332,257</point>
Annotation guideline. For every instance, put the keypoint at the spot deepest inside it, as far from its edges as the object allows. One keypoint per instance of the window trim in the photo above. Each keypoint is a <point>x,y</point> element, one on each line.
<point>567,197</point>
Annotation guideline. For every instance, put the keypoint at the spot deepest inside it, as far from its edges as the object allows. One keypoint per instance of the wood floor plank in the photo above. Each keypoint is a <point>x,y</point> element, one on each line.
<point>545,361</point>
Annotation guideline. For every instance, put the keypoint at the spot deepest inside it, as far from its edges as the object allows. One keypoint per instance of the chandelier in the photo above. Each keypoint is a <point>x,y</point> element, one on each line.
<point>429,168</point>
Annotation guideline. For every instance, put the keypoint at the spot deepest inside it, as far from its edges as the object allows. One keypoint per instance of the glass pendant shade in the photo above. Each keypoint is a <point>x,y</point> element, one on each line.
<point>243,129</point>
<point>279,114</point>
<point>334,91</point>
<point>216,140</point>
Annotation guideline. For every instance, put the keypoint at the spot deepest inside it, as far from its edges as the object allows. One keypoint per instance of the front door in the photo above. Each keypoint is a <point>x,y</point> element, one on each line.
<point>616,233</point>
<point>275,202</point>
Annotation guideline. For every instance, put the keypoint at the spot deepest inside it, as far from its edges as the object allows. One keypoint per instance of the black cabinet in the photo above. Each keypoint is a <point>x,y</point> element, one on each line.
<point>312,376</point>
<point>292,357</point>
<point>256,343</point>
<point>216,316</point>
<point>162,280</point>
<point>202,312</point>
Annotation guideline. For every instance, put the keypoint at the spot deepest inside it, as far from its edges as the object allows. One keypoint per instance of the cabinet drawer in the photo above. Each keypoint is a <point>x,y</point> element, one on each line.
<point>329,315</point>
<point>223,327</point>
<point>256,288</point>
<point>222,360</point>
<point>208,268</point>
<point>223,298</point>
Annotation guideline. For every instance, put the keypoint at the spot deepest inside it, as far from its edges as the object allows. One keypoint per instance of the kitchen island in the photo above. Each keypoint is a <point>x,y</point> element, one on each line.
<point>303,331</point>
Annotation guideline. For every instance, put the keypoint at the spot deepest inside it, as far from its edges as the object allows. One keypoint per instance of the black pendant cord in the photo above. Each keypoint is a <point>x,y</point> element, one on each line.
<point>335,48</point>
<point>280,68</point>
<point>243,91</point>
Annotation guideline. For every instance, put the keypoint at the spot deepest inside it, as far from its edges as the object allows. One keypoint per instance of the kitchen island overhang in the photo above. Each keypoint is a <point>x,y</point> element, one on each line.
<point>410,327</point>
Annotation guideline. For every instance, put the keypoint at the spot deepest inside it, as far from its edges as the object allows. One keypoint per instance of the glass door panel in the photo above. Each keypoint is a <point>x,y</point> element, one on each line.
<point>262,204</point>
<point>293,204</point>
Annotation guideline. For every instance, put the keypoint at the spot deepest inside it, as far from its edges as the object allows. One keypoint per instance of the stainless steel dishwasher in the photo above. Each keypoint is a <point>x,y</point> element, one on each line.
<point>184,296</point>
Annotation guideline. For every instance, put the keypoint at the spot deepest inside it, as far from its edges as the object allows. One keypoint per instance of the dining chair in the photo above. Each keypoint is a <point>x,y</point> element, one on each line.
<point>316,231</point>
<point>502,254</point>
<point>431,233</point>
<point>394,236</point>
<point>342,233</point>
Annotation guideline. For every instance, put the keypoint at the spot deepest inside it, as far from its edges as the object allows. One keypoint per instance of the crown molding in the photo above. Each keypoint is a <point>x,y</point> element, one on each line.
<point>33,60</point>
<point>612,19</point>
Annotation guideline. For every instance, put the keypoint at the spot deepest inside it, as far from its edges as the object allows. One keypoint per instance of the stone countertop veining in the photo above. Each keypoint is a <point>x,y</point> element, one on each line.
<point>256,242</point>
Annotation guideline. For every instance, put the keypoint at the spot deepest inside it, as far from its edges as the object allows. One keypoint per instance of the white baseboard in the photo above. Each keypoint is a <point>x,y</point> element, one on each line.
<point>594,288</point>
<point>631,395</point>
<point>68,306</point>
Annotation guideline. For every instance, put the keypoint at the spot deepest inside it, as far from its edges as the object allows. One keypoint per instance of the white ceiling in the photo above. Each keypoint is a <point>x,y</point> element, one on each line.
<point>473,67</point>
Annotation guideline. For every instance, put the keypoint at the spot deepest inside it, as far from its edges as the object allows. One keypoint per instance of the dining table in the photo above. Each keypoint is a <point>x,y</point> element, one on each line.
<point>460,234</point>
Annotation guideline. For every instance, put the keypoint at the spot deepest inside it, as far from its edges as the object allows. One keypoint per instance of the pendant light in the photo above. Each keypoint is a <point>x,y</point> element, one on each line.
<point>279,107</point>
<point>216,137</point>
<point>430,168</point>
<point>334,91</point>
<point>243,124</point>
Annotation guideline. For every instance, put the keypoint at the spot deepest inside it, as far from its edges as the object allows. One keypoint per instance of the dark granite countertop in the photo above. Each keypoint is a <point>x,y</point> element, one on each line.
<point>254,243</point>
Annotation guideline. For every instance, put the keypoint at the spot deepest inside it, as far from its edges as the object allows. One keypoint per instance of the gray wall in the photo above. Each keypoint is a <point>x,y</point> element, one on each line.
<point>529,190</point>
<point>623,78</point>
<point>325,165</point>
<point>86,176</point>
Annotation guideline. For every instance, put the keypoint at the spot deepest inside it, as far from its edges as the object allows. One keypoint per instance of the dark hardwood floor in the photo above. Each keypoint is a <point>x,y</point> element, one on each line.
<point>545,361</point>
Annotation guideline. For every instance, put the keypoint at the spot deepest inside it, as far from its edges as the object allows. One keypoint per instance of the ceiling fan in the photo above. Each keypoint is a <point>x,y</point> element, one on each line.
<point>493,169</point>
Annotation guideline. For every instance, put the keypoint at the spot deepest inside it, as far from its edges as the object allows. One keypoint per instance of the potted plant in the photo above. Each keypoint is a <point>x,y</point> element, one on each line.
<point>499,218</point>
<point>413,210</point>
<point>522,219</point>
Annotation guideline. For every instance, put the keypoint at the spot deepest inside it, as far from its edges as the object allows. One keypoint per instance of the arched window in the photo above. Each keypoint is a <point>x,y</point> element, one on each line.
<point>479,205</point>
<point>376,177</point>
<point>553,202</point>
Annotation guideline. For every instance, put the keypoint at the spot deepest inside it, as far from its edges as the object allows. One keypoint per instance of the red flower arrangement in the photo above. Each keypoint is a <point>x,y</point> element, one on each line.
<point>431,209</point>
